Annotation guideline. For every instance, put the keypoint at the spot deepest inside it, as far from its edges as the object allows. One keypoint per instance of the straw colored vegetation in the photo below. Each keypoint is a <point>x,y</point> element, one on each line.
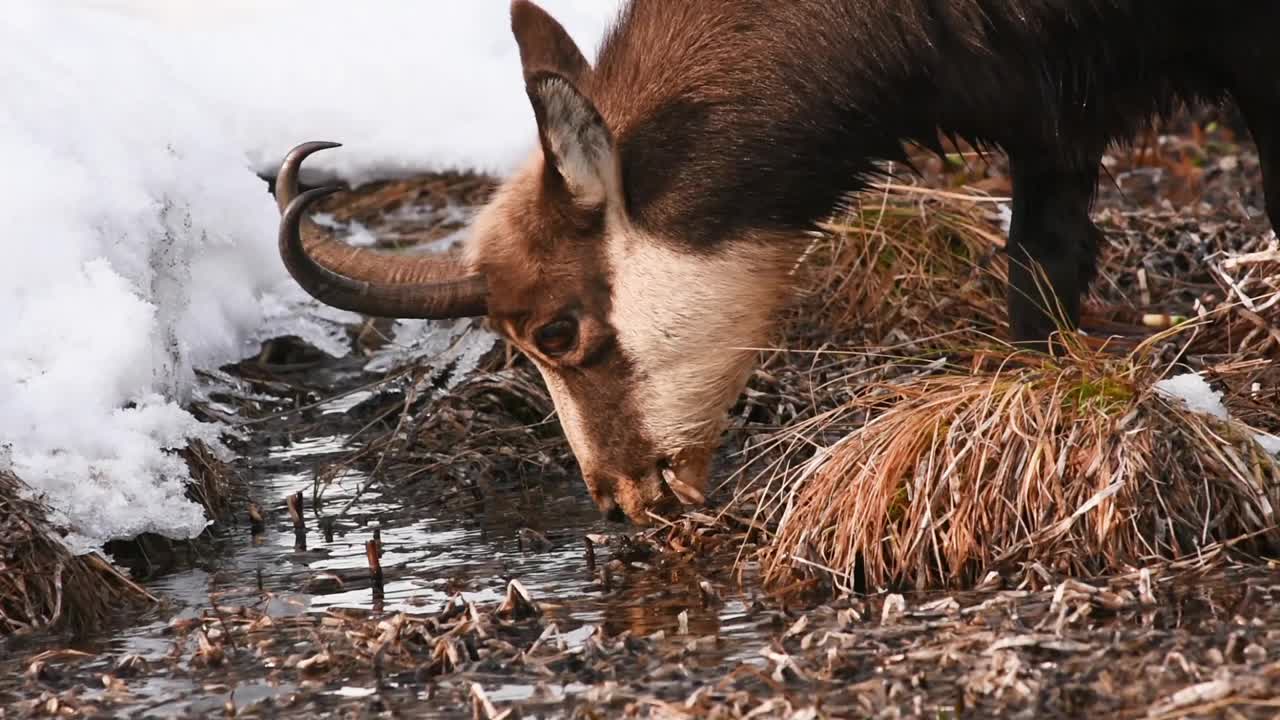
<point>947,455</point>
<point>42,585</point>
<point>213,483</point>
<point>1078,465</point>
<point>900,261</point>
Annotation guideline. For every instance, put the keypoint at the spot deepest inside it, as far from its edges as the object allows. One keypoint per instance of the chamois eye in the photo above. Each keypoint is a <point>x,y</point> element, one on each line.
<point>557,338</point>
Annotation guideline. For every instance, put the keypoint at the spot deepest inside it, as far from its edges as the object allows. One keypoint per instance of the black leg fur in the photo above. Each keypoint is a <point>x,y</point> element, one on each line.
<point>1263,118</point>
<point>1251,58</point>
<point>1051,238</point>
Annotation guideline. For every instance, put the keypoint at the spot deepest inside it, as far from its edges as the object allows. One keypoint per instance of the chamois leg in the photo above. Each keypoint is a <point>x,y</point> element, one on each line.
<point>1052,249</point>
<point>1263,119</point>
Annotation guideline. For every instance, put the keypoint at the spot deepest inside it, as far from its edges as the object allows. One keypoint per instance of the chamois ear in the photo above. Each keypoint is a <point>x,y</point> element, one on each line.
<point>545,46</point>
<point>576,143</point>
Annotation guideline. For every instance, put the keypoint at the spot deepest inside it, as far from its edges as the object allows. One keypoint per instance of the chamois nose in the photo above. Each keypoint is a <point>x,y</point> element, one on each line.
<point>623,497</point>
<point>602,486</point>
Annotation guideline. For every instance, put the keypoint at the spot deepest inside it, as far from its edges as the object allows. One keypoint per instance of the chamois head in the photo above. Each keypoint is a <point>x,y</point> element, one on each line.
<point>644,340</point>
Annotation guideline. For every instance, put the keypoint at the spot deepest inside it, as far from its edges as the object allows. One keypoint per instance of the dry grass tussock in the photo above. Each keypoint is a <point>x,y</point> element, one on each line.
<point>1079,465</point>
<point>946,455</point>
<point>42,585</point>
<point>904,265</point>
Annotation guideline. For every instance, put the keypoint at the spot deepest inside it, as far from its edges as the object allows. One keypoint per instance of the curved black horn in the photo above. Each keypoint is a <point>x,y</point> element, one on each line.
<point>287,175</point>
<point>363,280</point>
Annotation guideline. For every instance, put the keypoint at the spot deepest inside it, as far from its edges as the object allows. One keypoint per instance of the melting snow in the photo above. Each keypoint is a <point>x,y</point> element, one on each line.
<point>1196,392</point>
<point>406,85</point>
<point>139,242</point>
<point>1199,396</point>
<point>455,345</point>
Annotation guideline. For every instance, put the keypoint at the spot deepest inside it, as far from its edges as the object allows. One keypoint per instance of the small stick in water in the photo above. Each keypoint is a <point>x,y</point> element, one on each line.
<point>295,510</point>
<point>299,526</point>
<point>372,552</point>
<point>256,524</point>
<point>377,538</point>
<point>591,554</point>
<point>326,527</point>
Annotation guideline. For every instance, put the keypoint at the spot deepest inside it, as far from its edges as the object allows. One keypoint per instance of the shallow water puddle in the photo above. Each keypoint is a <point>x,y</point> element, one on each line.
<point>430,554</point>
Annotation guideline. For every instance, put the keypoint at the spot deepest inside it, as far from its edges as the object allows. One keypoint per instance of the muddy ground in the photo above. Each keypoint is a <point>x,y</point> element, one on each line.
<point>504,592</point>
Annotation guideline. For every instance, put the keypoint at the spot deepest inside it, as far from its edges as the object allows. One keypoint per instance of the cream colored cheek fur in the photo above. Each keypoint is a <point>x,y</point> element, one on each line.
<point>571,420</point>
<point>689,324</point>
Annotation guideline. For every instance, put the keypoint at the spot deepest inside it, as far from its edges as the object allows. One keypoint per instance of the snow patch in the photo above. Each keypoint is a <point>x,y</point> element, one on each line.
<point>405,85</point>
<point>1193,390</point>
<point>352,233</point>
<point>288,313</point>
<point>138,246</point>
<point>456,345</point>
<point>139,241</point>
<point>1269,442</point>
<point>1004,214</point>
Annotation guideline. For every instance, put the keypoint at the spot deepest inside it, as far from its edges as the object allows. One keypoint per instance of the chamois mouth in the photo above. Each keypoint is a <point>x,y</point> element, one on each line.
<point>686,493</point>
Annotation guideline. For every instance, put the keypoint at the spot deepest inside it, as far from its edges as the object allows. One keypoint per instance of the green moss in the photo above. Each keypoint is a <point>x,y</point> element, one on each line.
<point>898,505</point>
<point>1106,395</point>
<point>888,258</point>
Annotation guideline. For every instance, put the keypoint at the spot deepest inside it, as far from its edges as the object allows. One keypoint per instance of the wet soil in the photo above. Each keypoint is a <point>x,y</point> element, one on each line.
<point>432,554</point>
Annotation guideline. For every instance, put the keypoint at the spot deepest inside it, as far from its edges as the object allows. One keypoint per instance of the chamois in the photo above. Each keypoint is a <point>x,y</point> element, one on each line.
<point>643,248</point>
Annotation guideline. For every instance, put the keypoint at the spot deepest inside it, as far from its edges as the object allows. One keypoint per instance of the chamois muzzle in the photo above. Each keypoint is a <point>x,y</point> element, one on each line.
<point>362,280</point>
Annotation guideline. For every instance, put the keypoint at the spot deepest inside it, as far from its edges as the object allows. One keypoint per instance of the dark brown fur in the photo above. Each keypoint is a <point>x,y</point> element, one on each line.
<point>736,114</point>
<point>755,113</point>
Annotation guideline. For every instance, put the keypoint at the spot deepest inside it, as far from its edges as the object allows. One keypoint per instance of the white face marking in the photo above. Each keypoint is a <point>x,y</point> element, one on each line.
<point>692,324</point>
<point>572,420</point>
